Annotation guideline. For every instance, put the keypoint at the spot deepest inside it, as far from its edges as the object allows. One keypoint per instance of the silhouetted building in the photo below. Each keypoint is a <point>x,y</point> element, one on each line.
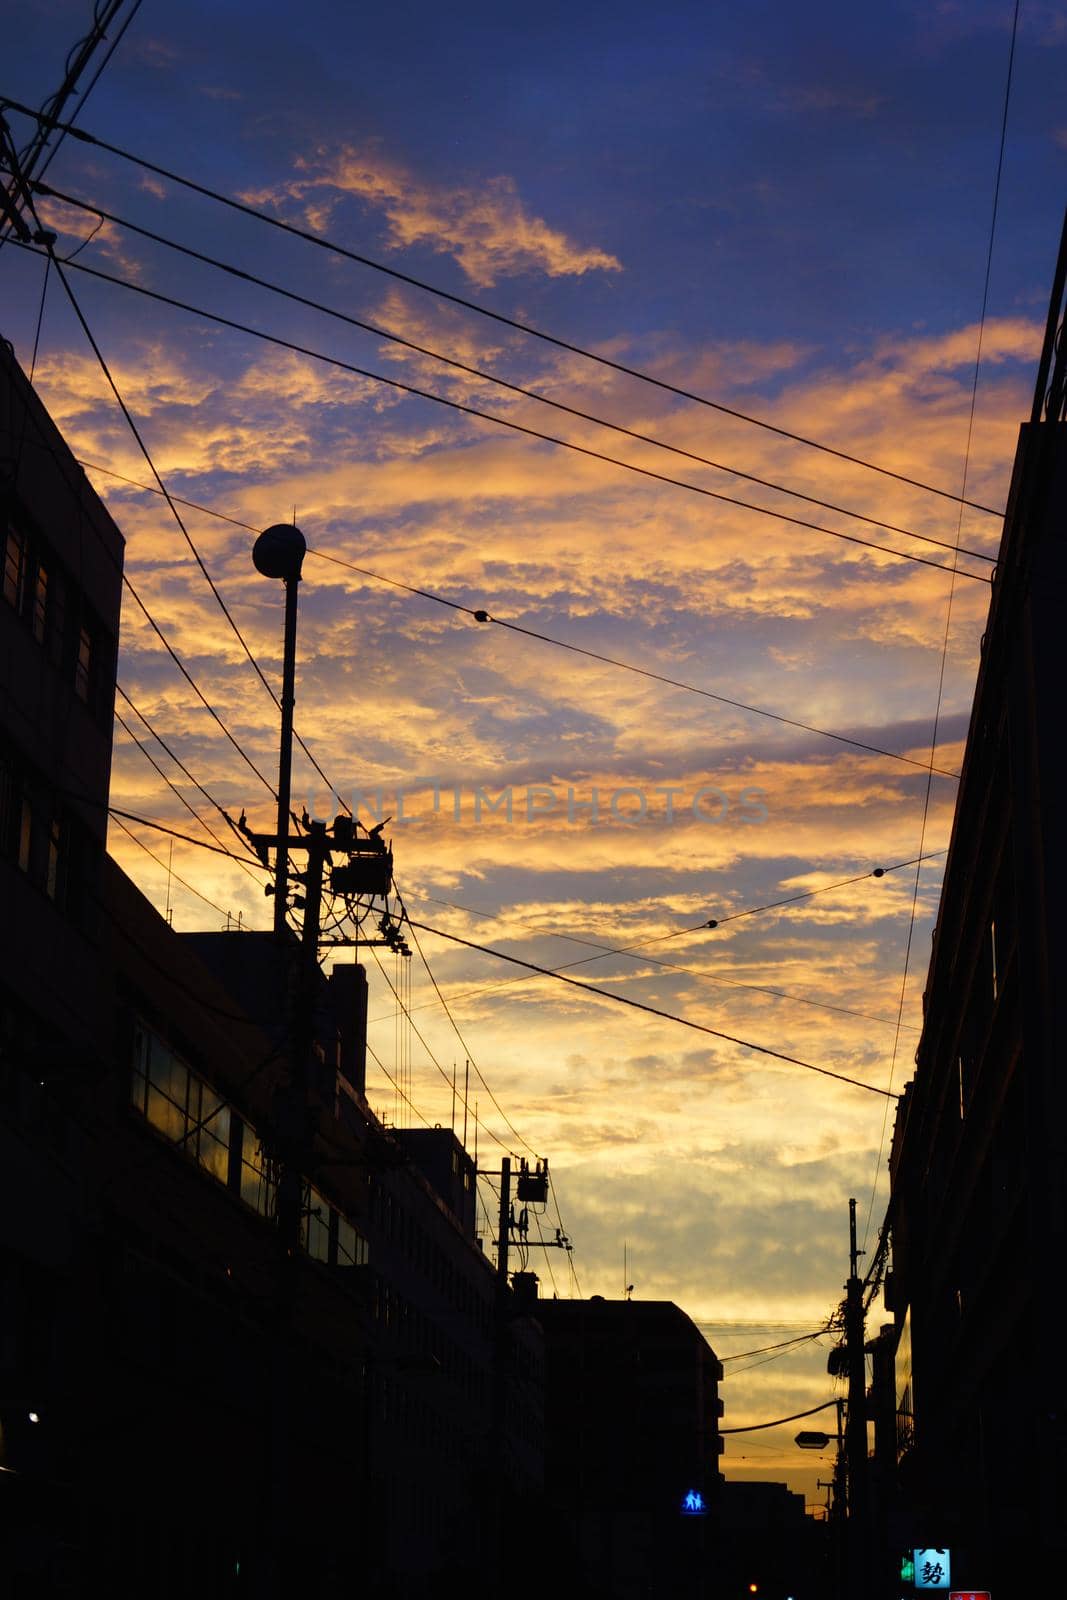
<point>762,1536</point>
<point>183,1409</point>
<point>632,1443</point>
<point>978,1162</point>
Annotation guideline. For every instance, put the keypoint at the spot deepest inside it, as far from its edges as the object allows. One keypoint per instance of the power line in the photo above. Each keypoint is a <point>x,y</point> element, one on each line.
<point>469,305</point>
<point>544,638</point>
<point>639,1005</point>
<point>172,786</point>
<point>489,377</point>
<point>429,1052</point>
<point>161,827</point>
<point>629,666</point>
<point>499,421</point>
<point>227,613</point>
<point>60,463</point>
<point>169,869</point>
<point>700,927</point>
<point>80,107</point>
<point>456,1030</point>
<point>187,675</point>
<point>182,767</point>
<point>754,1427</point>
<point>783,1344</point>
<point>951,592</point>
<point>670,966</point>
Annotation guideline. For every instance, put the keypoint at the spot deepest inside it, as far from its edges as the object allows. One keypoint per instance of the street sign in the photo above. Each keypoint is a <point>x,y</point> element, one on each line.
<point>931,1569</point>
<point>969,1594</point>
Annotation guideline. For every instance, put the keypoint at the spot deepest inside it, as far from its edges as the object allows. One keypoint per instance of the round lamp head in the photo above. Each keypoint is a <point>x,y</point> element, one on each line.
<point>279,551</point>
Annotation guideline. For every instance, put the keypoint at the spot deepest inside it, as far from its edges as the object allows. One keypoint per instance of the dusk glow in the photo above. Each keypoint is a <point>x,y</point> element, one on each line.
<point>785,211</point>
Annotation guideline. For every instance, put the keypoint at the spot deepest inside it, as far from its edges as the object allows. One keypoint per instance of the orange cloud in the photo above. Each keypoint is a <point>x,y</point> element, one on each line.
<point>488,230</point>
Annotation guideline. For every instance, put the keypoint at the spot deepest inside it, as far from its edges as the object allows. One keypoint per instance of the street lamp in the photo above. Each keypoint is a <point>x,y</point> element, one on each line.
<point>279,553</point>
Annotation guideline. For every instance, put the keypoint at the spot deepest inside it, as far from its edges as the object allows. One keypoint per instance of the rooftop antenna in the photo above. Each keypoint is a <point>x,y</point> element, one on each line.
<point>466,1089</point>
<point>170,871</point>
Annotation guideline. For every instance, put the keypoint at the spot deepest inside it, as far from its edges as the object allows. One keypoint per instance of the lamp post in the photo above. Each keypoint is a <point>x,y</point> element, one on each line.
<point>279,553</point>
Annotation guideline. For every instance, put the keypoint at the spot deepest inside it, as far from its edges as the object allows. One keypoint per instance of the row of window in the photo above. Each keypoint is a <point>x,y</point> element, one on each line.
<point>47,841</point>
<point>58,617</point>
<point>399,1226</point>
<point>186,1110</point>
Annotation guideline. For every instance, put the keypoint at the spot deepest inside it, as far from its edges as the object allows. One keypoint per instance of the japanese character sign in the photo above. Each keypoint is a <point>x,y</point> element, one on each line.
<point>932,1569</point>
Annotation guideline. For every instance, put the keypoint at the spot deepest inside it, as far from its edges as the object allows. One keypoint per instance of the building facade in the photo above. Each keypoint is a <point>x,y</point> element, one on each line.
<point>186,1408</point>
<point>632,1445</point>
<point>978,1204</point>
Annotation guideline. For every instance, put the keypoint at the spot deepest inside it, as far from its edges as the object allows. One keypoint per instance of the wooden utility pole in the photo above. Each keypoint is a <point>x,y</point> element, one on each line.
<point>856,1421</point>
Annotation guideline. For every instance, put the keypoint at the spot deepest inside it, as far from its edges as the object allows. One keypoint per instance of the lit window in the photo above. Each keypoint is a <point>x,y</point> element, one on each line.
<point>257,1183</point>
<point>180,1104</point>
<point>315,1227</point>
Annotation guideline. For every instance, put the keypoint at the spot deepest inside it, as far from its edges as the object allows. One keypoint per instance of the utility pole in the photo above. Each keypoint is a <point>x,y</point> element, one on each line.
<point>856,1424</point>
<point>16,189</point>
<point>367,870</point>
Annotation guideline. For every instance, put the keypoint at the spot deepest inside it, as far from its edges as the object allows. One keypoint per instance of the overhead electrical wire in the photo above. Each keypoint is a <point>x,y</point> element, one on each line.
<point>952,588</point>
<point>483,616</point>
<point>400,1004</point>
<point>227,613</point>
<point>605,950</point>
<point>191,809</point>
<point>783,1344</point>
<point>161,827</point>
<point>229,617</point>
<point>385,1071</point>
<point>699,927</point>
<point>639,1005</point>
<point>490,377</point>
<point>128,584</point>
<point>754,1427</point>
<point>499,421</point>
<point>169,870</point>
<point>456,1030</point>
<point>167,780</point>
<point>321,242</point>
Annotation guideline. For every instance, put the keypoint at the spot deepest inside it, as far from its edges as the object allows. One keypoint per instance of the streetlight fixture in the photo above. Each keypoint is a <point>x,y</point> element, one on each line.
<point>279,553</point>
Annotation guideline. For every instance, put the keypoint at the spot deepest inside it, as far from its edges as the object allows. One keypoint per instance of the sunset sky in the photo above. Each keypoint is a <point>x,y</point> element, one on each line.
<point>785,210</point>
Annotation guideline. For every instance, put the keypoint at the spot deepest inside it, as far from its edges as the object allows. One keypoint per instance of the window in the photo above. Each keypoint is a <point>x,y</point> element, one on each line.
<point>257,1179</point>
<point>40,603</point>
<point>351,1245</point>
<point>180,1104</point>
<point>315,1226</point>
<point>83,665</point>
<point>14,566</point>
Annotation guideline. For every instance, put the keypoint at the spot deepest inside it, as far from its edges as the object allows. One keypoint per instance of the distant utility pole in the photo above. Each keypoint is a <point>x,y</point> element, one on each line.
<point>856,1422</point>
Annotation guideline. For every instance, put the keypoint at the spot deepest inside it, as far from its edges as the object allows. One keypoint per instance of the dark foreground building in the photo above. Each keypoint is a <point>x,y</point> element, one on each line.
<point>979,1205</point>
<point>185,1409</point>
<point>632,1446</point>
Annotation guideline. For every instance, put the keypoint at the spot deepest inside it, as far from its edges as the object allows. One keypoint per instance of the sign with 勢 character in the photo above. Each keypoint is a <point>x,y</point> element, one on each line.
<point>931,1569</point>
